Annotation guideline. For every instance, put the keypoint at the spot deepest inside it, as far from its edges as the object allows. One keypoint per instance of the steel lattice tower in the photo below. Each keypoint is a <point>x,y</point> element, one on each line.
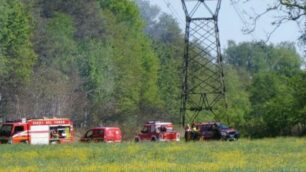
<point>203,78</point>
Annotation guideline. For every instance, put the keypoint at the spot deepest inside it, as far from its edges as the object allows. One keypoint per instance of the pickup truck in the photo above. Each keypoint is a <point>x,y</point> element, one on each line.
<point>157,131</point>
<point>212,131</point>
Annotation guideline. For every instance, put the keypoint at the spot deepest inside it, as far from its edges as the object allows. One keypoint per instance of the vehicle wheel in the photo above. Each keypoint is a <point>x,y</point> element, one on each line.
<point>137,139</point>
<point>54,142</point>
<point>224,139</point>
<point>153,139</point>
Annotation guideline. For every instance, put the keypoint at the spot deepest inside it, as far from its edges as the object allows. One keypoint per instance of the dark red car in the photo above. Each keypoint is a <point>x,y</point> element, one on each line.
<point>212,131</point>
<point>157,131</point>
<point>103,134</point>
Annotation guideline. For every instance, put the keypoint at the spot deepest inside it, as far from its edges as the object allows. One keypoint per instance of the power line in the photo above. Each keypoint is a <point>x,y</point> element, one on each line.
<point>173,11</point>
<point>240,16</point>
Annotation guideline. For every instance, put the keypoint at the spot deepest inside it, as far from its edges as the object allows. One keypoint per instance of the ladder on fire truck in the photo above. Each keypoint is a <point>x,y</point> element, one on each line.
<point>203,78</point>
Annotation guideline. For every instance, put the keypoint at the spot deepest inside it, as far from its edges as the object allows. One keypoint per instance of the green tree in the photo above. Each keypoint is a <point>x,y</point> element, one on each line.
<point>51,90</point>
<point>272,100</point>
<point>265,73</point>
<point>237,97</point>
<point>135,63</point>
<point>299,87</point>
<point>16,53</point>
<point>16,49</point>
<point>256,57</point>
<point>124,11</point>
<point>97,71</point>
<point>168,45</point>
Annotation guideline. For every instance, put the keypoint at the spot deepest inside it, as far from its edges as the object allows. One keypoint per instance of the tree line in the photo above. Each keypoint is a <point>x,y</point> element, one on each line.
<point>102,62</point>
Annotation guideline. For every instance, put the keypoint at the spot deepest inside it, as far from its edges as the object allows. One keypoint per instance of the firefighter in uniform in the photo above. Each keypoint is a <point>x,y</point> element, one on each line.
<point>188,134</point>
<point>194,132</point>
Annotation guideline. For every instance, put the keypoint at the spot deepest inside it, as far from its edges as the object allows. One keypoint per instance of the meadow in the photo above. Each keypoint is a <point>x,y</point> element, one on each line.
<point>275,154</point>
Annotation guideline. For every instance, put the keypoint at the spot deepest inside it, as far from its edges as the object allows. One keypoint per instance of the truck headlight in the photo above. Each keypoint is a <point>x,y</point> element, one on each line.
<point>223,133</point>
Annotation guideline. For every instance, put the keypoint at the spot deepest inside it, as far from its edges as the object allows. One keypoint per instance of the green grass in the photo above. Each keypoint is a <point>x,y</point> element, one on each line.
<point>279,154</point>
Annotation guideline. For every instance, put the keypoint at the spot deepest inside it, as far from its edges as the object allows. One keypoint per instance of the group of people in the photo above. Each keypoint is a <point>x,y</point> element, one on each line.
<point>56,133</point>
<point>192,132</point>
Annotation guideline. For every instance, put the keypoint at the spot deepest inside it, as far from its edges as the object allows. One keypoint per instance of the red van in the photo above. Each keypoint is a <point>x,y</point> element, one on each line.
<point>103,134</point>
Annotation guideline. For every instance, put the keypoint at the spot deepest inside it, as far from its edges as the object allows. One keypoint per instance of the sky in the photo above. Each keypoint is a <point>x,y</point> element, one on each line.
<point>231,19</point>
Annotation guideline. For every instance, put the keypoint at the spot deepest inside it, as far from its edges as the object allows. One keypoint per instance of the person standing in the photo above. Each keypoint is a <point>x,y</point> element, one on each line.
<point>188,134</point>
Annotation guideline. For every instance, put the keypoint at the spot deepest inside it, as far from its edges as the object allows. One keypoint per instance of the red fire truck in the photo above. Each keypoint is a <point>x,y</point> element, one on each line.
<point>157,131</point>
<point>37,131</point>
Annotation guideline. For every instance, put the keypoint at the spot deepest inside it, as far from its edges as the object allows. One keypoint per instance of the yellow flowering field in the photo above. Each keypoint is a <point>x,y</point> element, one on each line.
<point>278,154</point>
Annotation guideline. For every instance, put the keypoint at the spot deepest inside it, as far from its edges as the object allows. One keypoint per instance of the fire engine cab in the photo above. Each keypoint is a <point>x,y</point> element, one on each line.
<point>157,131</point>
<point>37,131</point>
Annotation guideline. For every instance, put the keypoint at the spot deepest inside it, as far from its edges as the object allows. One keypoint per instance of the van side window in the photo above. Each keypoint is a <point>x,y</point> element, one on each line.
<point>18,129</point>
<point>100,132</point>
<point>89,134</point>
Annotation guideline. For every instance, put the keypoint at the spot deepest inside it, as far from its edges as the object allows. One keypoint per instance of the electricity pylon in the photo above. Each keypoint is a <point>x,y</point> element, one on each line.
<point>203,78</point>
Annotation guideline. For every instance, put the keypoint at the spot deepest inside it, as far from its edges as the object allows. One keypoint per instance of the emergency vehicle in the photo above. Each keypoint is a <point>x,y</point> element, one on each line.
<point>211,131</point>
<point>158,131</point>
<point>103,134</point>
<point>37,131</point>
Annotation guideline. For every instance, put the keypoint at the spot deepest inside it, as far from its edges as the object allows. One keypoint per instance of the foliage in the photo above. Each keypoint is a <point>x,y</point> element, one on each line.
<point>237,97</point>
<point>265,73</point>
<point>272,99</point>
<point>125,11</point>
<point>255,57</point>
<point>17,56</point>
<point>168,45</point>
<point>299,83</point>
<point>94,62</point>
<point>16,53</point>
<point>119,62</point>
<point>136,63</point>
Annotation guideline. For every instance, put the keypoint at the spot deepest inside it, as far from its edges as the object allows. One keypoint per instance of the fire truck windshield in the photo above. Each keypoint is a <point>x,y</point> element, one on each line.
<point>169,129</point>
<point>6,130</point>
